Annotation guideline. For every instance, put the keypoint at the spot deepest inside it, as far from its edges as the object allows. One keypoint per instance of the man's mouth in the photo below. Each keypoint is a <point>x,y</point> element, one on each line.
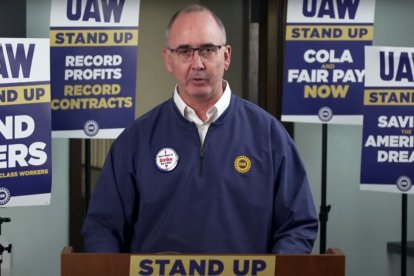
<point>198,80</point>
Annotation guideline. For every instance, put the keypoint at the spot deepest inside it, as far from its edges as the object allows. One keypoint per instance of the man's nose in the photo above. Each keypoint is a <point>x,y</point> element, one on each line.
<point>197,61</point>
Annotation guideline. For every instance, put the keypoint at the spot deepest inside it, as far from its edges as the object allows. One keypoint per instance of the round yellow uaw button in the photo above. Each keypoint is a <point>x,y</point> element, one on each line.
<point>242,164</point>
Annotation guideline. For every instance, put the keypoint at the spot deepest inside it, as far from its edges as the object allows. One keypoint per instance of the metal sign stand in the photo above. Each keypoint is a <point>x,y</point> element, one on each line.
<point>2,248</point>
<point>324,209</point>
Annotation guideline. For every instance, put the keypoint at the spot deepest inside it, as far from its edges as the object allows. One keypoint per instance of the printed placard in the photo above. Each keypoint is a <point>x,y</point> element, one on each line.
<point>202,265</point>
<point>388,141</point>
<point>25,122</point>
<point>324,60</point>
<point>94,52</point>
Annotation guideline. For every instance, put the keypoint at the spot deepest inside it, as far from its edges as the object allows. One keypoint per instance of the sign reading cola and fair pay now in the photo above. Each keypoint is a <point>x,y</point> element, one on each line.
<point>324,60</point>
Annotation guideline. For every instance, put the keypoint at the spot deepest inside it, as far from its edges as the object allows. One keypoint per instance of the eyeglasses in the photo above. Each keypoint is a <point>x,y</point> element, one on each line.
<point>207,52</point>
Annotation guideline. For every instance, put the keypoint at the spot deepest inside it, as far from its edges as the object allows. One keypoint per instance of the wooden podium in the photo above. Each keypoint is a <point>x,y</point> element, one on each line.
<point>86,264</point>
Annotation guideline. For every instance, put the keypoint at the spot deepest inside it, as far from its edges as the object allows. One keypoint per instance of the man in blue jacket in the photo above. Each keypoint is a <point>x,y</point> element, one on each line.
<point>205,171</point>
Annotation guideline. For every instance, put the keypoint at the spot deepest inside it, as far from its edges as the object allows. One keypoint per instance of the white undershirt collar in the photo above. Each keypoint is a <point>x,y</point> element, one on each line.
<point>212,114</point>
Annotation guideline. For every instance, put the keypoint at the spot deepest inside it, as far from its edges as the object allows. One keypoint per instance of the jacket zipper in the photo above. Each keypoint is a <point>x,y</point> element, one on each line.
<point>202,160</point>
<point>202,152</point>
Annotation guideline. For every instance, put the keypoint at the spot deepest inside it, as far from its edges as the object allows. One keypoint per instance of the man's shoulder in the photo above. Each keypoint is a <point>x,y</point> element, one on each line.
<point>164,109</point>
<point>252,109</point>
<point>147,120</point>
<point>155,111</point>
<point>257,117</point>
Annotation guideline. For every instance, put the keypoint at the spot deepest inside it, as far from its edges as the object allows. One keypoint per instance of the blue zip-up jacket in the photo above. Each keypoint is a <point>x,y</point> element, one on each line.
<point>244,191</point>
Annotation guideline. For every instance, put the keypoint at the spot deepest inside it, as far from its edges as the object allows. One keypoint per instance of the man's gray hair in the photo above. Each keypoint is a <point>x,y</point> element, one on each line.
<point>195,8</point>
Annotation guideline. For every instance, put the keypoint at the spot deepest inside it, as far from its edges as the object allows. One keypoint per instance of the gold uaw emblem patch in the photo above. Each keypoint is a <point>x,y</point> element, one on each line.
<point>242,164</point>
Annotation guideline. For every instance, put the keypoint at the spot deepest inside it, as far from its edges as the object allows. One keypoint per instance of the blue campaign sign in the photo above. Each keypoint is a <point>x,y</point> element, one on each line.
<point>324,69</point>
<point>94,52</point>
<point>388,130</point>
<point>25,122</point>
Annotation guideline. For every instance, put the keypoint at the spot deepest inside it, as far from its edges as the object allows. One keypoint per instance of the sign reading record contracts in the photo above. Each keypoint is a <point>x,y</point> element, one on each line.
<point>94,50</point>
<point>388,129</point>
<point>324,60</point>
<point>25,142</point>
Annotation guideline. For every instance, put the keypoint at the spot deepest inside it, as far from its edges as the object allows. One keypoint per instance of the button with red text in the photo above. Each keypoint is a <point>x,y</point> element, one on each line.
<point>166,159</point>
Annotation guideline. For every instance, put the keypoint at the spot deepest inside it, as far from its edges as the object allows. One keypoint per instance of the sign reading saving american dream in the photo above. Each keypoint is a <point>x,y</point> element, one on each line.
<point>94,52</point>
<point>324,64</point>
<point>388,131</point>
<point>25,120</point>
<point>202,265</point>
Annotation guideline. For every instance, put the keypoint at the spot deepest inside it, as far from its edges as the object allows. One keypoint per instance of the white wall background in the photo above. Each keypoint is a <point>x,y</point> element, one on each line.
<point>360,222</point>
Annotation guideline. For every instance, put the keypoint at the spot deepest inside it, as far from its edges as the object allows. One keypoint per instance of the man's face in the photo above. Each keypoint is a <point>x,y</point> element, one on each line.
<point>199,78</point>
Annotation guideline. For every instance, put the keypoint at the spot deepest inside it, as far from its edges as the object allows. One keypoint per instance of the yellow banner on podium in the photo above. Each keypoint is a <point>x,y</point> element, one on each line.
<point>202,265</point>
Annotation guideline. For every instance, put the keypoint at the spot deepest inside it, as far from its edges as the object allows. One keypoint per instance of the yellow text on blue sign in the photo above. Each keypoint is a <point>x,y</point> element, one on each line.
<point>398,97</point>
<point>329,32</point>
<point>76,38</point>
<point>202,265</point>
<point>24,94</point>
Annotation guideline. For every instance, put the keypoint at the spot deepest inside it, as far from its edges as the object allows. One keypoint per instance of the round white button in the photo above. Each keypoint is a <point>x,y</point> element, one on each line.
<point>166,159</point>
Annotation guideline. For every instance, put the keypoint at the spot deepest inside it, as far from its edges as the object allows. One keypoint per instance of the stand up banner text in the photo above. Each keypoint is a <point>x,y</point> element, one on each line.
<point>202,265</point>
<point>25,123</point>
<point>324,60</point>
<point>388,131</point>
<point>94,52</point>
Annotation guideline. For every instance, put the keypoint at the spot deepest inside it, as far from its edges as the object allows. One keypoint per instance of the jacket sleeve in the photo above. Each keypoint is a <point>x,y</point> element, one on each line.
<point>295,218</point>
<point>108,223</point>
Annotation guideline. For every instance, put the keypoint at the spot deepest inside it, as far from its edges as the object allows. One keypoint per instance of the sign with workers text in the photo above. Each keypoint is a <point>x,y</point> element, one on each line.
<point>25,122</point>
<point>388,130</point>
<point>324,60</point>
<point>94,53</point>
